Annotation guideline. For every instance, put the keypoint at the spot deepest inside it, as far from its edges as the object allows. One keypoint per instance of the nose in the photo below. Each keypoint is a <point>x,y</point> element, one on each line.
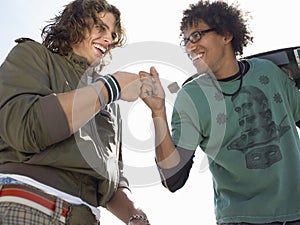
<point>189,48</point>
<point>108,38</point>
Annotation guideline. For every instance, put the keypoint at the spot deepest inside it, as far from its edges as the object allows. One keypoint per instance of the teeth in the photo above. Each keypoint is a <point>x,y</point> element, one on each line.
<point>103,50</point>
<point>196,57</point>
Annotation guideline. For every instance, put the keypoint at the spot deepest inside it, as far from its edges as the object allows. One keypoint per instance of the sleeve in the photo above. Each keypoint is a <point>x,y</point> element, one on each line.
<point>294,99</point>
<point>175,178</point>
<point>185,122</point>
<point>123,181</point>
<point>24,87</point>
<point>290,89</point>
<point>186,137</point>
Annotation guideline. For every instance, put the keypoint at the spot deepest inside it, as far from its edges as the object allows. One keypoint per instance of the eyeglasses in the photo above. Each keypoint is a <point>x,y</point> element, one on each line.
<point>195,37</point>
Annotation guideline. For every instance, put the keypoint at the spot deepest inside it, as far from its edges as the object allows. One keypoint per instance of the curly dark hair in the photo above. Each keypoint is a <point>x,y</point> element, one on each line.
<point>223,18</point>
<point>69,26</point>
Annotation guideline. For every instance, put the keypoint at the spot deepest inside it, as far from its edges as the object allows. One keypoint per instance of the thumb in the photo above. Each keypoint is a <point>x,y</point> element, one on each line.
<point>153,71</point>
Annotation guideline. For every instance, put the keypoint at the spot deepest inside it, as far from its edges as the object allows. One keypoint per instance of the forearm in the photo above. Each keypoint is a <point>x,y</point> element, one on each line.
<point>166,153</point>
<point>81,105</point>
<point>123,206</point>
<point>175,178</point>
<point>153,95</point>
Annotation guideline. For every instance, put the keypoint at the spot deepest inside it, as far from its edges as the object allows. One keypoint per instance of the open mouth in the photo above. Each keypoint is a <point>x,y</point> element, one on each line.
<point>196,57</point>
<point>100,48</point>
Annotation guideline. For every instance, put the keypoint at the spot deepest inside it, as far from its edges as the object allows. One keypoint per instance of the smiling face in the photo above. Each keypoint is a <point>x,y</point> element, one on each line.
<point>98,41</point>
<point>213,52</point>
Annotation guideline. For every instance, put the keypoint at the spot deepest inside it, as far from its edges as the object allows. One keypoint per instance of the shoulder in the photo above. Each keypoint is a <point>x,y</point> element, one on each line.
<point>263,66</point>
<point>27,41</point>
<point>194,90</point>
<point>23,39</point>
<point>260,62</point>
<point>266,66</point>
<point>30,44</point>
<point>29,49</point>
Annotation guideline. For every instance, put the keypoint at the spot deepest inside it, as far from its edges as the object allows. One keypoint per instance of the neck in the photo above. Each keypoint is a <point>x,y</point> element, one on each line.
<point>238,75</point>
<point>227,71</point>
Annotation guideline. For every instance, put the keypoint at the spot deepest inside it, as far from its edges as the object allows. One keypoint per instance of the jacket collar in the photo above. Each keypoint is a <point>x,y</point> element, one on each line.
<point>77,61</point>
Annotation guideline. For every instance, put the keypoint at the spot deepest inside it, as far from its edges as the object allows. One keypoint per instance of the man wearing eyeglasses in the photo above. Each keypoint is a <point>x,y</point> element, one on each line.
<point>241,113</point>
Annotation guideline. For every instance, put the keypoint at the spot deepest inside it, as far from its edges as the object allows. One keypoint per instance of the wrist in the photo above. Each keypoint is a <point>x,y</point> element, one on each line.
<point>112,87</point>
<point>159,113</point>
<point>138,217</point>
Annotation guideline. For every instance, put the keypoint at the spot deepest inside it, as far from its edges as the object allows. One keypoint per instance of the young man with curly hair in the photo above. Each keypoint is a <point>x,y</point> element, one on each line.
<point>60,125</point>
<point>241,113</point>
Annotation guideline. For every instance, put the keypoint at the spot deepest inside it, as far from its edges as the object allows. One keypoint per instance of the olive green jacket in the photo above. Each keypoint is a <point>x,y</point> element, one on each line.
<point>35,139</point>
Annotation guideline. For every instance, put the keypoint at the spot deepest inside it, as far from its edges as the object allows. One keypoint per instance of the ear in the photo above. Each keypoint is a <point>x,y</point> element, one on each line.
<point>227,38</point>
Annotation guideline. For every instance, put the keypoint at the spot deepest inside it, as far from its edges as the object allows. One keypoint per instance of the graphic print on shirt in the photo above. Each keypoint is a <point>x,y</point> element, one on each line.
<point>259,130</point>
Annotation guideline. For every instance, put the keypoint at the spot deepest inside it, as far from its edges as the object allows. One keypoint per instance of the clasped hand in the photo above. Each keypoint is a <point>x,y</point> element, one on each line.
<point>145,85</point>
<point>152,92</point>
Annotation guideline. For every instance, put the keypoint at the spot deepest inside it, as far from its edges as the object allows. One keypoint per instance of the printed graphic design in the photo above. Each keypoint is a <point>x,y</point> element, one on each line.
<point>258,129</point>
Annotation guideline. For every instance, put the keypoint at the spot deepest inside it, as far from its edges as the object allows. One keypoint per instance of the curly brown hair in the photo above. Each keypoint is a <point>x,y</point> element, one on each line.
<point>68,27</point>
<point>223,18</point>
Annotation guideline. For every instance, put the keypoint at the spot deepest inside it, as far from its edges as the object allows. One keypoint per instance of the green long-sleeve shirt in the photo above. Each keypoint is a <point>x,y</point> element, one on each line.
<point>35,139</point>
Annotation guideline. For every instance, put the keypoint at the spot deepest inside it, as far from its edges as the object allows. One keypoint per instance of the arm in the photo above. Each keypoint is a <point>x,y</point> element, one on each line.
<point>174,163</point>
<point>122,206</point>
<point>176,177</point>
<point>86,103</point>
<point>34,101</point>
<point>153,95</point>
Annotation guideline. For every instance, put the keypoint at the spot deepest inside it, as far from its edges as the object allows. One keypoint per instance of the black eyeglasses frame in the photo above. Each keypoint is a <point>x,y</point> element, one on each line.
<point>184,41</point>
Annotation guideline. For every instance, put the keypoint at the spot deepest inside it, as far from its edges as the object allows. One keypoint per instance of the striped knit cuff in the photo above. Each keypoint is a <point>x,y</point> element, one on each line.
<point>112,86</point>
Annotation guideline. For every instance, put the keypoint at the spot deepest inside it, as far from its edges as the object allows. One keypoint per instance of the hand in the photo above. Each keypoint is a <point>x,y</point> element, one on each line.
<point>130,85</point>
<point>152,92</point>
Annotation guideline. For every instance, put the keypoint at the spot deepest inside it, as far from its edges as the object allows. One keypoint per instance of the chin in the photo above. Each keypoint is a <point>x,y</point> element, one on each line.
<point>96,62</point>
<point>201,66</point>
